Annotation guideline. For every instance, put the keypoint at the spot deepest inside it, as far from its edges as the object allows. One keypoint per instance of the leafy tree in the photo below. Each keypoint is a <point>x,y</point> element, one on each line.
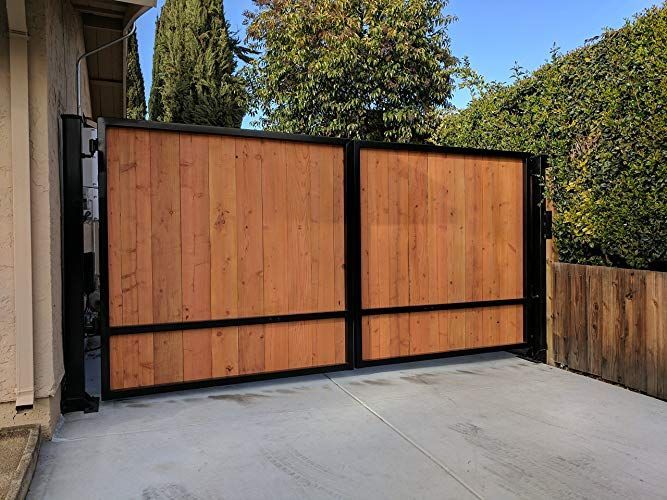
<point>194,65</point>
<point>600,114</point>
<point>135,94</point>
<point>371,69</point>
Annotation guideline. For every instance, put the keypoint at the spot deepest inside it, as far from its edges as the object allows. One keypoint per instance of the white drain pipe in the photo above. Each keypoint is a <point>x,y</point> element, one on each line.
<point>20,144</point>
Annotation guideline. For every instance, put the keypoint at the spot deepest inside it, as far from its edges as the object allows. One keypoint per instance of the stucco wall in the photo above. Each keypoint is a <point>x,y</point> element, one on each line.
<point>56,39</point>
<point>7,367</point>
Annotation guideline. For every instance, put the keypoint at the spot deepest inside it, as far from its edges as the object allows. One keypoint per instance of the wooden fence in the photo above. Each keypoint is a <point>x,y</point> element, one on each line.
<point>612,323</point>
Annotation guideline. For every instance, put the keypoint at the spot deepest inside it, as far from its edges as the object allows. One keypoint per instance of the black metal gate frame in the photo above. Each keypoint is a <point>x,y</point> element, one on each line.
<point>534,257</point>
<point>534,262</point>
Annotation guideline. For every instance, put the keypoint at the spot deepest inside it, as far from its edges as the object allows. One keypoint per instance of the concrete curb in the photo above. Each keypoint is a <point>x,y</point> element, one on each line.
<point>22,476</point>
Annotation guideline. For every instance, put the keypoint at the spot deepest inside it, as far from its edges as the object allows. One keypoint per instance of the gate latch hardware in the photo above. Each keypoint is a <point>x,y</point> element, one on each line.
<point>547,222</point>
<point>92,149</point>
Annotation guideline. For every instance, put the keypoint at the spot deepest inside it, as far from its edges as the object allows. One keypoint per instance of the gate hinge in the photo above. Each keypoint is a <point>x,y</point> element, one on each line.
<point>547,222</point>
<point>92,149</point>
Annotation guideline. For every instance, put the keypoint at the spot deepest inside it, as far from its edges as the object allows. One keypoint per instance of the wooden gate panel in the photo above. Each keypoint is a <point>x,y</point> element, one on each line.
<point>253,240</point>
<point>440,229</point>
<point>410,334</point>
<point>464,221</point>
<point>147,359</point>
<point>208,227</point>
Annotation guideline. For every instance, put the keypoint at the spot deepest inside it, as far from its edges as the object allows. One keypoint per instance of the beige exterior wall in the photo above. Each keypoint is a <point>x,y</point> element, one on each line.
<point>7,344</point>
<point>56,39</point>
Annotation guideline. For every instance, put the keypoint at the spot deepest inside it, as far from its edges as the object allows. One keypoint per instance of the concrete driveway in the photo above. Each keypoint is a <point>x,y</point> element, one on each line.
<point>486,426</point>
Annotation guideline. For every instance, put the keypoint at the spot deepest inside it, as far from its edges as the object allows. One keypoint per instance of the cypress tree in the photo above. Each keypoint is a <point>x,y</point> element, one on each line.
<point>194,65</point>
<point>135,95</point>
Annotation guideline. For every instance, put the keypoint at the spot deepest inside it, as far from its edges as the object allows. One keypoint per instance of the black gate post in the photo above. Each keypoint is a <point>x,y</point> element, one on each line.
<point>538,233</point>
<point>74,397</point>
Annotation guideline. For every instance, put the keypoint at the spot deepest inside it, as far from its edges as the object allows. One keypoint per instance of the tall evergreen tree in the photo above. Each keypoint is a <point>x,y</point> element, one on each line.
<point>194,65</point>
<point>135,94</point>
<point>371,69</point>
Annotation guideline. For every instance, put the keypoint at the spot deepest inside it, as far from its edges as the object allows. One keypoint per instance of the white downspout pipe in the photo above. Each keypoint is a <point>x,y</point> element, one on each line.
<point>20,158</point>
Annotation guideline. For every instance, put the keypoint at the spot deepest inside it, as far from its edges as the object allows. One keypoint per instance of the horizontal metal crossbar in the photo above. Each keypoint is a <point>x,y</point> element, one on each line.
<point>441,307</point>
<point>226,322</point>
<point>223,131</point>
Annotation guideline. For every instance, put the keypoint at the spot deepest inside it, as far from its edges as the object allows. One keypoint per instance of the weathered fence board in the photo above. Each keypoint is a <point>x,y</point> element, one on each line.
<point>612,323</point>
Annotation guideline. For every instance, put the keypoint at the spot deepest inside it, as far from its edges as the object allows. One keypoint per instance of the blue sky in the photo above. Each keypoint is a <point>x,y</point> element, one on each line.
<point>492,34</point>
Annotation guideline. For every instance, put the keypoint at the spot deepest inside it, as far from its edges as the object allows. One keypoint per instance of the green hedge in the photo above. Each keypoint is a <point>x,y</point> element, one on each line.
<point>600,113</point>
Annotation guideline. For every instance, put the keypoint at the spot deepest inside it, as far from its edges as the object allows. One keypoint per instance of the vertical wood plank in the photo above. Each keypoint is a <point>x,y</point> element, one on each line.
<point>474,263</point>
<point>197,354</point>
<point>580,325</point>
<point>365,230</point>
<point>195,227</point>
<point>474,320</point>
<point>402,220</point>
<point>251,349</point>
<point>274,218</point>
<point>276,252</point>
<point>128,228</point>
<point>168,357</point>
<point>116,363</point>
<point>340,342</point>
<point>394,253</point>
<point>195,253</point>
<point>322,199</point>
<point>299,228</point>
<point>594,285</point>
<point>455,250</point>
<point>145,346</point>
<point>515,231</point>
<point>114,232</point>
<point>142,151</point>
<point>373,191</point>
<point>652,318</point>
<point>166,255</point>
<point>438,177</point>
<point>608,331</point>
<point>418,220</point>
<point>635,353</point>
<point>166,227</point>
<point>620,325</point>
<point>300,345</point>
<point>366,351</point>
<point>418,251</point>
<point>456,237</point>
<point>338,165</point>
<point>324,340</point>
<point>224,352</point>
<point>490,226</point>
<point>383,249</point>
<point>556,312</point>
<point>432,173</point>
<point>250,242</point>
<point>276,347</point>
<point>223,227</point>
<point>660,299</point>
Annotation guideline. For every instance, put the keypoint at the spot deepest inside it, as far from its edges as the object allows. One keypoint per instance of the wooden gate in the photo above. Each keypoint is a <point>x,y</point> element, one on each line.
<point>443,245</point>
<point>229,255</point>
<point>226,255</point>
